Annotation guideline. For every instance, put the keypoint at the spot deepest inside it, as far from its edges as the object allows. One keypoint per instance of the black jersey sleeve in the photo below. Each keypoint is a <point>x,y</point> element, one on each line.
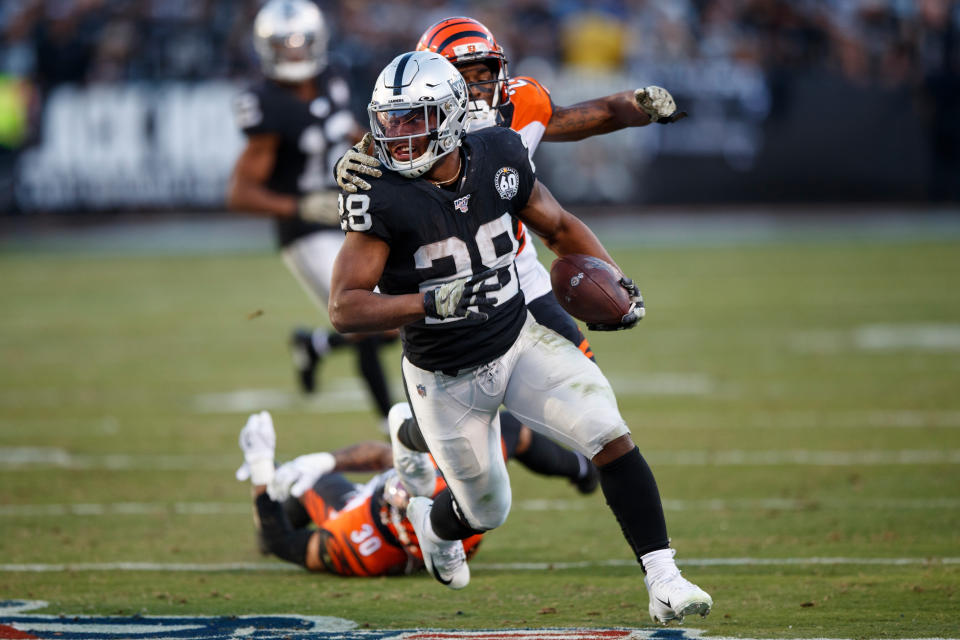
<point>255,112</point>
<point>365,212</point>
<point>516,176</point>
<point>518,154</point>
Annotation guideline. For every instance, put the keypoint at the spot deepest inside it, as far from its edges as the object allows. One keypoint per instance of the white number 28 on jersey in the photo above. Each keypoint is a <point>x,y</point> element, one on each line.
<point>353,212</point>
<point>456,248</point>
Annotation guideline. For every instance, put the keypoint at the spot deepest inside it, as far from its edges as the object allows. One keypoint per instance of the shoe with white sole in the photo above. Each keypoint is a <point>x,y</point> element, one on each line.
<point>415,469</point>
<point>672,597</point>
<point>446,560</point>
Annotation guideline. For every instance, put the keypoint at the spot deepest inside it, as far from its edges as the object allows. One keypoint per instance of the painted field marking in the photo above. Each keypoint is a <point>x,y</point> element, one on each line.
<point>348,395</point>
<point>81,509</point>
<point>878,337</point>
<point>16,458</point>
<point>186,567</point>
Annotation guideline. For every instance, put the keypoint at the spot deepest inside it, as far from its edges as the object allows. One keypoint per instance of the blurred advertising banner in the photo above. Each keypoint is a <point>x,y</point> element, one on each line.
<point>131,146</point>
<point>752,136</point>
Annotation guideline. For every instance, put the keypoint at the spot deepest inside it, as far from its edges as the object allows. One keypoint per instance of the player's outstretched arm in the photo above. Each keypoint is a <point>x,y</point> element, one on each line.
<point>354,307</point>
<point>246,190</point>
<point>564,234</point>
<point>560,230</point>
<point>611,113</point>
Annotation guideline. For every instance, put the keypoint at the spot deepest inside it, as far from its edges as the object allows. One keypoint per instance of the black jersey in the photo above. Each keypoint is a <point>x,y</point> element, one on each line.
<point>436,235</point>
<point>313,135</point>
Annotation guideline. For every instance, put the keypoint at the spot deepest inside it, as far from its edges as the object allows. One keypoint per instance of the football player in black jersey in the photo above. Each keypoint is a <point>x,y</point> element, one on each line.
<point>297,124</point>
<point>438,235</point>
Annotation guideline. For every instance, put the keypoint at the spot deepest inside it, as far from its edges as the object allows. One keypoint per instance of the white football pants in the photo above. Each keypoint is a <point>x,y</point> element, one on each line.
<point>544,381</point>
<point>310,259</point>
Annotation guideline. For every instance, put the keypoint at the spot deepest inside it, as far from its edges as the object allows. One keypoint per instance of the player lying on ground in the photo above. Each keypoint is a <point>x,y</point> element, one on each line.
<point>439,234</point>
<point>311,515</point>
<point>297,122</point>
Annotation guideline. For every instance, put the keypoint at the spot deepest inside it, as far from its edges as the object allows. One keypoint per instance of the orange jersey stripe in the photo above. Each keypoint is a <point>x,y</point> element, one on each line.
<point>531,102</point>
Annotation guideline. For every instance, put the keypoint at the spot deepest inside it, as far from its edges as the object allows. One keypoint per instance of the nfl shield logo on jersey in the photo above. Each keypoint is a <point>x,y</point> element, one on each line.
<point>460,204</point>
<point>422,390</point>
<point>507,182</point>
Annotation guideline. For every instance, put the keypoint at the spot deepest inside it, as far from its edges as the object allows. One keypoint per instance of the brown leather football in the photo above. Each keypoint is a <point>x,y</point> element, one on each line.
<point>589,289</point>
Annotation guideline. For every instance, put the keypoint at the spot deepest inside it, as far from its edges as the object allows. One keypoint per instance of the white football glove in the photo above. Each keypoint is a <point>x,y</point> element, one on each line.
<point>356,160</point>
<point>258,441</point>
<point>295,477</point>
<point>321,207</point>
<point>657,103</point>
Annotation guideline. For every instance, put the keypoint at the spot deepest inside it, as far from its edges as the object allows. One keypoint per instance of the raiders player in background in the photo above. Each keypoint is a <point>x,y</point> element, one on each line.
<point>439,234</point>
<point>311,515</point>
<point>297,124</point>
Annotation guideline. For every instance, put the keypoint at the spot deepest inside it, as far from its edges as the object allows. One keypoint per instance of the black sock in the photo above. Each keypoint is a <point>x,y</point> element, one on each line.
<point>510,433</point>
<point>283,541</point>
<point>546,457</point>
<point>337,340</point>
<point>296,514</point>
<point>631,491</point>
<point>368,352</point>
<point>448,523</point>
<point>411,437</point>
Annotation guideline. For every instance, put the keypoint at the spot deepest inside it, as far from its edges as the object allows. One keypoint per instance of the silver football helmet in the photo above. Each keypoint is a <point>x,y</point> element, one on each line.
<point>418,94</point>
<point>290,37</point>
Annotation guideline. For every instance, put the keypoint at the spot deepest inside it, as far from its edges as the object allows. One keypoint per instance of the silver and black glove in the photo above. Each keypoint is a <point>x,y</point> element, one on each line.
<point>356,160</point>
<point>631,317</point>
<point>454,299</point>
<point>321,207</point>
<point>657,103</point>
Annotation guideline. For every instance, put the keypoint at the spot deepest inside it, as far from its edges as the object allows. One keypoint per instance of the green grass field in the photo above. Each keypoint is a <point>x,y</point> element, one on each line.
<point>796,400</point>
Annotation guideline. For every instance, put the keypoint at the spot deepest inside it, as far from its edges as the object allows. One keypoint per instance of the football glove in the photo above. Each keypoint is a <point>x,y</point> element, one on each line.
<point>657,103</point>
<point>321,207</point>
<point>453,299</point>
<point>257,441</point>
<point>631,317</point>
<point>295,477</point>
<point>356,160</point>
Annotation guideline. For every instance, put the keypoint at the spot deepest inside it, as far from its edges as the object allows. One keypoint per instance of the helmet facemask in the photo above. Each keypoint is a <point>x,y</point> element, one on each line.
<point>420,130</point>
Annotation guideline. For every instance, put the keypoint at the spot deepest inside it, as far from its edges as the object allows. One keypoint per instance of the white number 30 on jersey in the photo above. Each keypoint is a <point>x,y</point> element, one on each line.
<point>353,212</point>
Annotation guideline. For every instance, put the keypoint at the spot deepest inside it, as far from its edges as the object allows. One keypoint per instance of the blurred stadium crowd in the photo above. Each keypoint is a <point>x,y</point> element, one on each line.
<point>912,44</point>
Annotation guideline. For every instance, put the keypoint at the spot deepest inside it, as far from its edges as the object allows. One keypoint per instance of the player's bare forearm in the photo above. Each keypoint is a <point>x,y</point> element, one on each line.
<point>356,310</point>
<point>250,197</point>
<point>247,189</point>
<point>560,230</point>
<point>364,456</point>
<point>354,307</point>
<point>595,117</point>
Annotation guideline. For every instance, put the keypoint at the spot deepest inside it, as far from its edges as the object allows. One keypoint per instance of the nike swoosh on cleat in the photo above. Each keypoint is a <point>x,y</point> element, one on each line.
<point>436,574</point>
<point>666,604</point>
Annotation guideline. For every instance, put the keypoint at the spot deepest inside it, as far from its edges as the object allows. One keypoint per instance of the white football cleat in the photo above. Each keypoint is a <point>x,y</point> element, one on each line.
<point>446,559</point>
<point>258,441</point>
<point>415,469</point>
<point>672,597</point>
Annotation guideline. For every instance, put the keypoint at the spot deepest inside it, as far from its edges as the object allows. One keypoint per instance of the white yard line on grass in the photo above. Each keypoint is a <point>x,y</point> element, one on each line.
<point>180,567</point>
<point>15,459</point>
<point>242,508</point>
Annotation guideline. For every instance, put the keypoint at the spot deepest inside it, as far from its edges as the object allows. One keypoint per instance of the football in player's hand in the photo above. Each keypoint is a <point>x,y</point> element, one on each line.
<point>589,289</point>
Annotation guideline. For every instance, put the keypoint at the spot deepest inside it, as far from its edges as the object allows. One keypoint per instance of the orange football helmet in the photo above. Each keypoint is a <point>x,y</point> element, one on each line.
<point>465,40</point>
